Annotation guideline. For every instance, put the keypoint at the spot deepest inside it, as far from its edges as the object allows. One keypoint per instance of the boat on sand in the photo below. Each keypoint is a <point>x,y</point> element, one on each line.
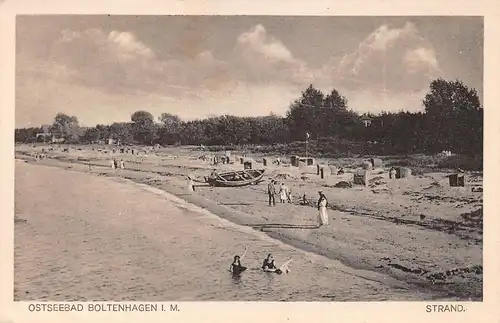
<point>237,178</point>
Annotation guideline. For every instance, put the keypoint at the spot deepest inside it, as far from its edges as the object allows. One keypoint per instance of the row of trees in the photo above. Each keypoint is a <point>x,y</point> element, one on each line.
<point>453,120</point>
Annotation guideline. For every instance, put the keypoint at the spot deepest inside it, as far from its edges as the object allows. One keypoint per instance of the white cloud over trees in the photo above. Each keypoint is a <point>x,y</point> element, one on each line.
<point>260,74</point>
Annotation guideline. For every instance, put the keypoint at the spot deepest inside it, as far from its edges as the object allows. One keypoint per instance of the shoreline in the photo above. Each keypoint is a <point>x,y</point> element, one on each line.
<point>123,241</point>
<point>294,238</point>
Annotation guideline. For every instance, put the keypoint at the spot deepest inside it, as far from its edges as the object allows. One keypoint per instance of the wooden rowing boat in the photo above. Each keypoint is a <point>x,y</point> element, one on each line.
<point>237,178</point>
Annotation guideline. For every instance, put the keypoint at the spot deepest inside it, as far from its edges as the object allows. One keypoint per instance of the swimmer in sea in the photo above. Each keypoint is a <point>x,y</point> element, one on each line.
<point>236,268</point>
<point>269,266</point>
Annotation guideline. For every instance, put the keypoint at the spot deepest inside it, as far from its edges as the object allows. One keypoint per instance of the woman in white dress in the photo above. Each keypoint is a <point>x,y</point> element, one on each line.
<point>283,193</point>
<point>322,215</point>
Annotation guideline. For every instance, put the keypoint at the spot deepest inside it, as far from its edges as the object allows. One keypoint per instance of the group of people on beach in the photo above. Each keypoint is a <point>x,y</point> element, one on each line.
<point>268,265</point>
<point>115,165</point>
<point>285,194</point>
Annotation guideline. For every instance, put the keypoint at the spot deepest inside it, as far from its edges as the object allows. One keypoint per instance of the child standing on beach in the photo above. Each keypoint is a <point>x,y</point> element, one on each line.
<point>289,194</point>
<point>190,184</point>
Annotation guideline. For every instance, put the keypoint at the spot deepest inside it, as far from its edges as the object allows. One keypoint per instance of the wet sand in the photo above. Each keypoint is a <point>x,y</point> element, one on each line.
<point>378,228</point>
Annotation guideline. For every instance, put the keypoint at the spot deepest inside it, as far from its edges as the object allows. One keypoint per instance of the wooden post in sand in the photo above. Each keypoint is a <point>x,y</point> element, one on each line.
<point>403,172</point>
<point>247,165</point>
<point>322,172</point>
<point>367,165</point>
<point>376,162</point>
<point>457,180</point>
<point>361,178</point>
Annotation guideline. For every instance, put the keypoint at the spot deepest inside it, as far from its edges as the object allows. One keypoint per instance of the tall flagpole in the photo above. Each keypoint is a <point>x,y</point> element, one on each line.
<point>306,146</point>
<point>307,137</point>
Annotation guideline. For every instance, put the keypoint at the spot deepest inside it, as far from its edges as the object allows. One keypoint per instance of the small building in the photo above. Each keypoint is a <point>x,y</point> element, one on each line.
<point>57,140</point>
<point>111,141</point>
<point>367,121</point>
<point>297,160</point>
<point>45,135</point>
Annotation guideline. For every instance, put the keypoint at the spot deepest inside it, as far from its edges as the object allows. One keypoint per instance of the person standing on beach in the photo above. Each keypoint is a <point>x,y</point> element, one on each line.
<point>392,173</point>
<point>271,191</point>
<point>213,177</point>
<point>113,164</point>
<point>322,215</point>
<point>191,184</point>
<point>289,194</point>
<point>283,193</point>
<point>122,164</point>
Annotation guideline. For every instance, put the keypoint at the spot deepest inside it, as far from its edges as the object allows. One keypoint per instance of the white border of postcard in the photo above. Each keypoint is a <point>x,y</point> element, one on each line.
<point>486,311</point>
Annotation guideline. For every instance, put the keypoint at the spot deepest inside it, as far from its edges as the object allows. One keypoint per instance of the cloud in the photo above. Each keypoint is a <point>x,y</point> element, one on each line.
<point>93,106</point>
<point>375,101</point>
<point>117,61</point>
<point>397,59</point>
<point>261,58</point>
<point>388,71</point>
<point>114,61</point>
<point>258,41</point>
<point>421,60</point>
<point>116,44</point>
<point>127,47</point>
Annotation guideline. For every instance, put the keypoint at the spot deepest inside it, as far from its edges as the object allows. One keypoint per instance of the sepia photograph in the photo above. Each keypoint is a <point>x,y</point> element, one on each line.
<point>164,158</point>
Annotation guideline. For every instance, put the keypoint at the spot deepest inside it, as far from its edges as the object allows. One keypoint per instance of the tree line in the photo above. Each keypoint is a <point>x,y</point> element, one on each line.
<point>452,120</point>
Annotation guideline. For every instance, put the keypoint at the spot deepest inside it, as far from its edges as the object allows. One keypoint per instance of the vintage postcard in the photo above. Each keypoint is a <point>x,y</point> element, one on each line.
<point>197,161</point>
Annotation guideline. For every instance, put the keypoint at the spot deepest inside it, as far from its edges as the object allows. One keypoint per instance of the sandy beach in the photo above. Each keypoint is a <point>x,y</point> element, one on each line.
<point>416,235</point>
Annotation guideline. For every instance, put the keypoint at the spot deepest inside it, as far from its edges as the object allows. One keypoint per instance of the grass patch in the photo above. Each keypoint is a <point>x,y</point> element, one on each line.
<point>474,163</point>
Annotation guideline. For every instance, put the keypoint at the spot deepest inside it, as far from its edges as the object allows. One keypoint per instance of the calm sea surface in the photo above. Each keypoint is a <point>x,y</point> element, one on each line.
<point>93,238</point>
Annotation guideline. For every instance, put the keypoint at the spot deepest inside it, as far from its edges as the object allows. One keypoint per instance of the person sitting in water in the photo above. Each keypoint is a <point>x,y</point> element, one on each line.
<point>236,267</point>
<point>270,266</point>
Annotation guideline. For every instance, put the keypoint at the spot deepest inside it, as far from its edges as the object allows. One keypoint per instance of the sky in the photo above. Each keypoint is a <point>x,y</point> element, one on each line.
<point>103,68</point>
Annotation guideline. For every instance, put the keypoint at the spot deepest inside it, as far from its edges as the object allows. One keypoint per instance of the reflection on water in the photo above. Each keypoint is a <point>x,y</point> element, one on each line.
<point>236,279</point>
